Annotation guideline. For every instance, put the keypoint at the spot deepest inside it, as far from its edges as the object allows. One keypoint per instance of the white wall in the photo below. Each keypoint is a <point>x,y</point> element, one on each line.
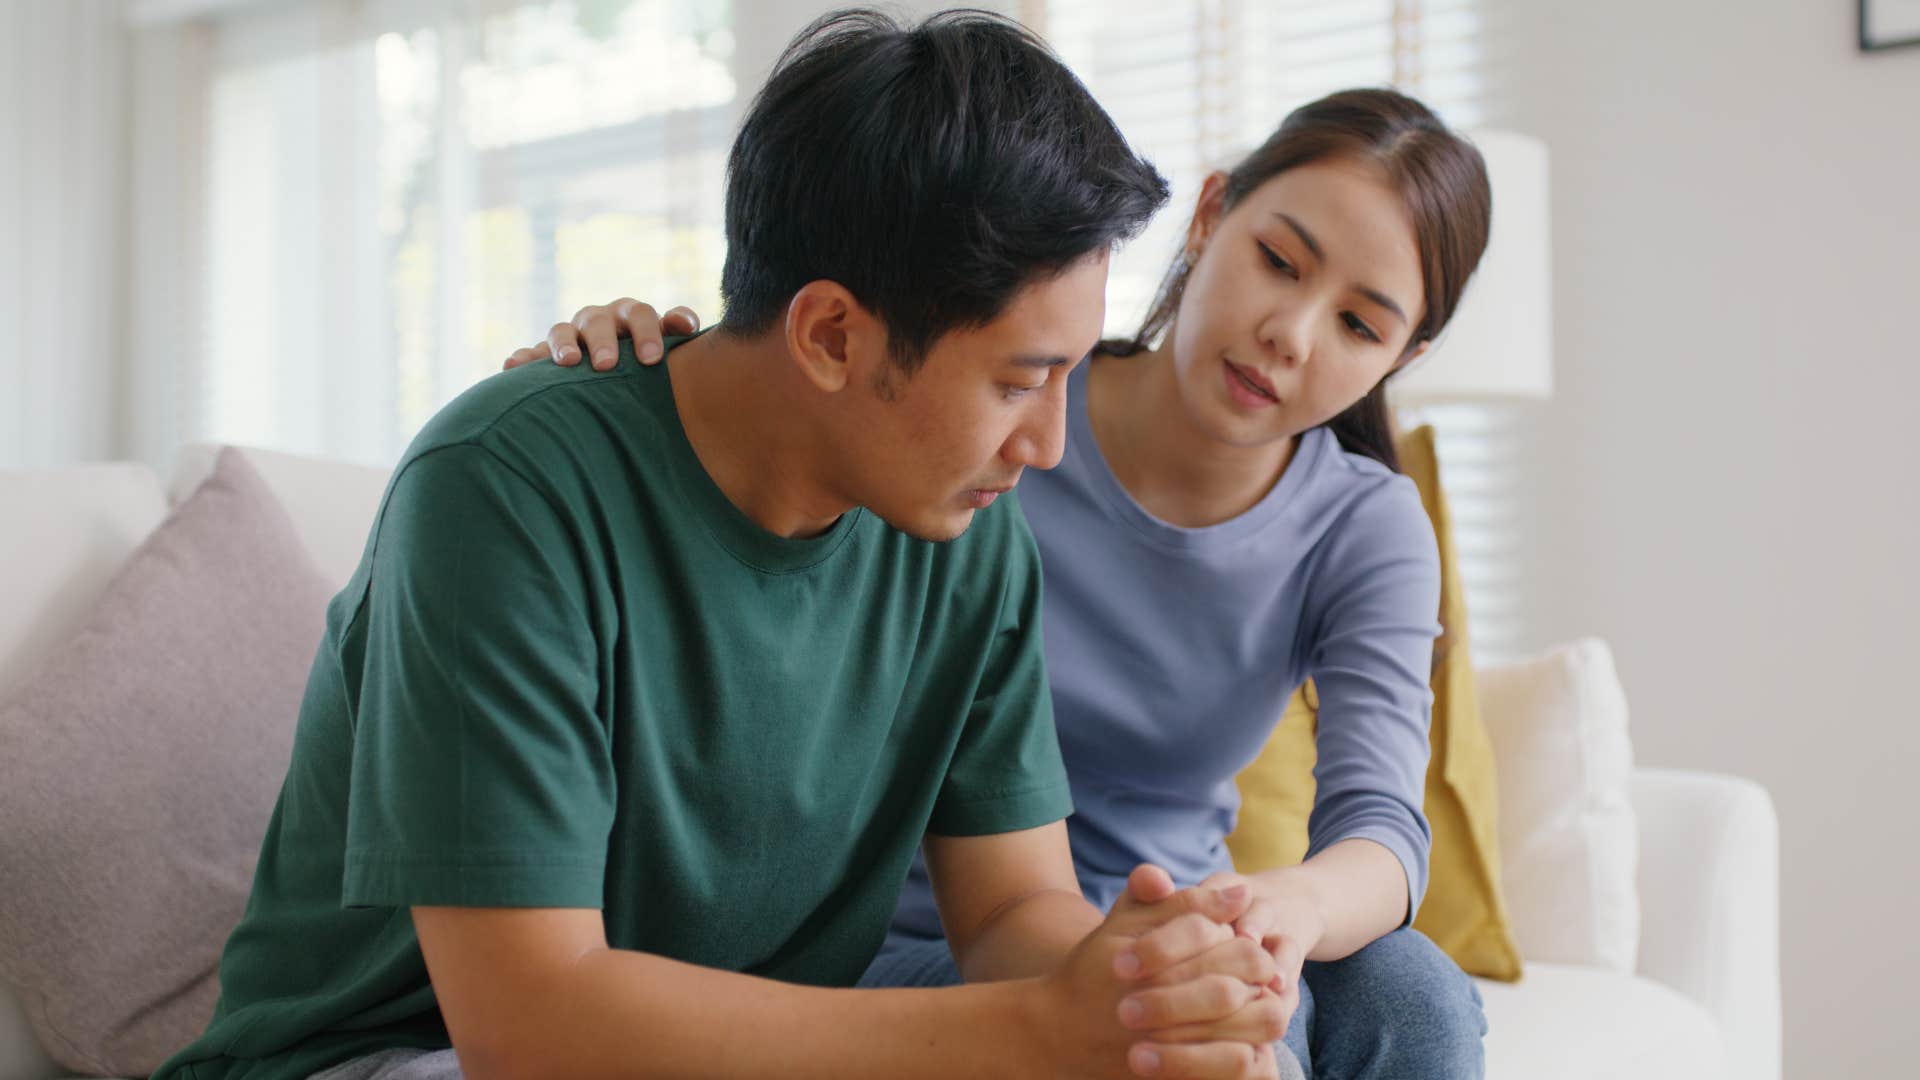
<point>1728,465</point>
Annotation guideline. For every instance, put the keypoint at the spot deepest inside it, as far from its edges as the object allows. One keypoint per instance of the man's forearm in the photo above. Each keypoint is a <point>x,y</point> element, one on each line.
<point>1359,887</point>
<point>618,1013</point>
<point>1029,937</point>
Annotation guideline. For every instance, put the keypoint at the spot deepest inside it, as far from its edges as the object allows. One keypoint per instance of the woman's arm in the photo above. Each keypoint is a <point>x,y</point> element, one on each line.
<point>1343,899</point>
<point>1373,609</point>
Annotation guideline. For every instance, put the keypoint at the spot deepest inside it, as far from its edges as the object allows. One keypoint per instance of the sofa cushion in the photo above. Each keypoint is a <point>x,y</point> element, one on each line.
<point>142,763</point>
<point>68,530</point>
<point>331,503</point>
<point>1575,1023</point>
<point>1568,836</point>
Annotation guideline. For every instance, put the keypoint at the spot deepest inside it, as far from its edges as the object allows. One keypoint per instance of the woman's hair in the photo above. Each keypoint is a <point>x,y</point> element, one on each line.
<point>1440,177</point>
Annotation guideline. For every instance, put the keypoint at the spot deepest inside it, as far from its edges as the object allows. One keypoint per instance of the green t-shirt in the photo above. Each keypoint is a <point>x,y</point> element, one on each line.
<point>570,673</point>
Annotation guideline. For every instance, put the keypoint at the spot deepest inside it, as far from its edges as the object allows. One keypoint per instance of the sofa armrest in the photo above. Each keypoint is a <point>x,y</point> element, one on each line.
<point>1710,905</point>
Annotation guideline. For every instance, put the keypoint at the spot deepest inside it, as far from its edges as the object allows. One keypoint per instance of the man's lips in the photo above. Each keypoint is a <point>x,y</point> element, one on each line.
<point>981,498</point>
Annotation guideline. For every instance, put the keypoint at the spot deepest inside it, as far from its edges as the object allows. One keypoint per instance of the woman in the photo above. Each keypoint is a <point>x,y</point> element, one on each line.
<point>1227,522</point>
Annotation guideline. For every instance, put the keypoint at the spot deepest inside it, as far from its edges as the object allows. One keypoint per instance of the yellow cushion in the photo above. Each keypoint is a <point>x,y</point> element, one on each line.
<point>1463,911</point>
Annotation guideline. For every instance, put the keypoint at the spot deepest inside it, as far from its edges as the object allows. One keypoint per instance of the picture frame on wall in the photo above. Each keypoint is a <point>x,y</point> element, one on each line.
<point>1889,24</point>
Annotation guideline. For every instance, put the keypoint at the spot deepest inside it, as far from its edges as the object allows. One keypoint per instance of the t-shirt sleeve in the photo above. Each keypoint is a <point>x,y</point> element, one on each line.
<point>1006,773</point>
<point>1377,608</point>
<point>482,771</point>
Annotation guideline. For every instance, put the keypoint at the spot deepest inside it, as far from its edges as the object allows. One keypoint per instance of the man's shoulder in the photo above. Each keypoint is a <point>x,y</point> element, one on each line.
<point>533,407</point>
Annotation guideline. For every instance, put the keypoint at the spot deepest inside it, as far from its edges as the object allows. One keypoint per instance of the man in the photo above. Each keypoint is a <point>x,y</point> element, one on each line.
<point>622,737</point>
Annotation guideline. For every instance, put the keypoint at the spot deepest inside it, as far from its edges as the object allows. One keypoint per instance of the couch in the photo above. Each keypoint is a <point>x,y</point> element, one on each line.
<point>1701,1000</point>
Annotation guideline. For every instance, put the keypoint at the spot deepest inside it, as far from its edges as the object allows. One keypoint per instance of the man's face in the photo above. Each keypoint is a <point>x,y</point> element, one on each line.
<point>986,403</point>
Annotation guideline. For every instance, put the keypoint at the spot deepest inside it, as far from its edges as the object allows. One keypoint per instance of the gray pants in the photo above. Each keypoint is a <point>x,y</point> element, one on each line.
<point>397,1065</point>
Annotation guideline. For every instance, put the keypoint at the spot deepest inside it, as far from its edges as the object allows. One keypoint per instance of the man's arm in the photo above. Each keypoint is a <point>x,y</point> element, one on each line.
<point>1009,903</point>
<point>537,992</point>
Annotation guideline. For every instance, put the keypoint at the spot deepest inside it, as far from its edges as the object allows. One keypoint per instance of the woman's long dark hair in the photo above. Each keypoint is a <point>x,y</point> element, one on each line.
<point>1440,177</point>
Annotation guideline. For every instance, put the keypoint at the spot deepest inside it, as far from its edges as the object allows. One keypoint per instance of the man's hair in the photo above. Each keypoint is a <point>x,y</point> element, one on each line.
<point>933,171</point>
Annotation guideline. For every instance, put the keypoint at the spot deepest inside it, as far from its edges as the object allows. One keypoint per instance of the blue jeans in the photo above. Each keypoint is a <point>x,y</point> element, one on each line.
<point>1399,1009</point>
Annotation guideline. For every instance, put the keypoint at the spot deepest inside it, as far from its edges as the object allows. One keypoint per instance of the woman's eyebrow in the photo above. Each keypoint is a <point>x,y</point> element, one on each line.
<point>1306,237</point>
<point>1313,246</point>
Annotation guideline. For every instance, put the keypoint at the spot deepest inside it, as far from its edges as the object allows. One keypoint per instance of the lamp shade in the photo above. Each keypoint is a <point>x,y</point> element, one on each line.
<point>1499,343</point>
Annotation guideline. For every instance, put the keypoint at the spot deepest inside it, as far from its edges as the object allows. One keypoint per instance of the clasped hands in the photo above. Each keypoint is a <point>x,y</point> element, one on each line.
<point>1201,984</point>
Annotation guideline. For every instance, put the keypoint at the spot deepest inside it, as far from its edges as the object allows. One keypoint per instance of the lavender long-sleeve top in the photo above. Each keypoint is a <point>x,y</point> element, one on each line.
<point>1172,653</point>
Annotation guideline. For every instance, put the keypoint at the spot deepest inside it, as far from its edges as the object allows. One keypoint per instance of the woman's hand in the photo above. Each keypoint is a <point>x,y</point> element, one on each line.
<point>596,331</point>
<point>1285,921</point>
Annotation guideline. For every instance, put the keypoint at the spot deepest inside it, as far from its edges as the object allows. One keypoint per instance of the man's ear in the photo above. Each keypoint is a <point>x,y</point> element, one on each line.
<point>830,337</point>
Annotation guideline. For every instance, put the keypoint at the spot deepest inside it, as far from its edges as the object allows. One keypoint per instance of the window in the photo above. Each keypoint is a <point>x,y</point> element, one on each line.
<point>400,194</point>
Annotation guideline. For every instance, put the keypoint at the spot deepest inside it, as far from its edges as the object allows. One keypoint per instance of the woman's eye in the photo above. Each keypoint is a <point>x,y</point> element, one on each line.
<point>1279,263</point>
<point>1355,324</point>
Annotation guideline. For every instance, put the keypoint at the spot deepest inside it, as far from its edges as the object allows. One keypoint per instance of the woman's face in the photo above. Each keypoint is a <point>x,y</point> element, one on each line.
<point>1301,299</point>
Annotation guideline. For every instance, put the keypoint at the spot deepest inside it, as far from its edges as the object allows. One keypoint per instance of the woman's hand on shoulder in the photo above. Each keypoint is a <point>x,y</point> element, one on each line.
<point>596,331</point>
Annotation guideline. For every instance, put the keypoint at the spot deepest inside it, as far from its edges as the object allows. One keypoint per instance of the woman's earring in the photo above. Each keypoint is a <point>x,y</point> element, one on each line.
<point>1188,257</point>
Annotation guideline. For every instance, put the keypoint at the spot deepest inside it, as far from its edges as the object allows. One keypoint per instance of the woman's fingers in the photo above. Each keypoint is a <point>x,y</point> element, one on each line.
<point>599,328</point>
<point>1287,960</point>
<point>680,320</point>
<point>522,357</point>
<point>563,344</point>
<point>596,331</point>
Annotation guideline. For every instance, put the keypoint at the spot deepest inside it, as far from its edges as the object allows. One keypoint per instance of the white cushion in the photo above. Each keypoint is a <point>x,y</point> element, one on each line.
<point>1572,1023</point>
<point>331,503</point>
<point>1569,842</point>
<point>68,530</point>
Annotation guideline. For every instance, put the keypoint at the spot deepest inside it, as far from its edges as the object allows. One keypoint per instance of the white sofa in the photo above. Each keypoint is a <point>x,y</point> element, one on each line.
<point>1704,1002</point>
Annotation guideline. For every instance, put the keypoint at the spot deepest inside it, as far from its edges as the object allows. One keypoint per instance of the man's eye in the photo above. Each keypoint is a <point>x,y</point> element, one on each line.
<point>1014,390</point>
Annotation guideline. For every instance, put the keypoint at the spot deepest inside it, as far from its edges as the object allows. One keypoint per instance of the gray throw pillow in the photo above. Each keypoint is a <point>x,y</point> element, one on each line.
<point>138,769</point>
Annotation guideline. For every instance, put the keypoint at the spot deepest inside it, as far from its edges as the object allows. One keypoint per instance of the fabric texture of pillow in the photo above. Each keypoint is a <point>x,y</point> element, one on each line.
<point>141,764</point>
<point>1569,839</point>
<point>1464,911</point>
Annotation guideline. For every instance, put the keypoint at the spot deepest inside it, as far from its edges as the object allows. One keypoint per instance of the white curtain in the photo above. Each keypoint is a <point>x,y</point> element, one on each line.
<point>62,219</point>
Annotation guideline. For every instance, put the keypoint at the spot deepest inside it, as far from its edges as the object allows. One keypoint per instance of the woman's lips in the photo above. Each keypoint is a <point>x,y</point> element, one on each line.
<point>1248,388</point>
